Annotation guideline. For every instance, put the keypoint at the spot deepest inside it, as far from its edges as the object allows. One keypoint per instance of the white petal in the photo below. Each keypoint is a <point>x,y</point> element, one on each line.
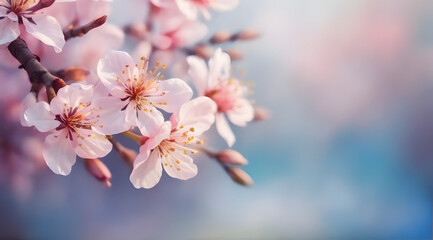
<point>198,73</point>
<point>111,67</point>
<point>180,166</point>
<point>46,29</point>
<point>39,115</point>
<point>188,8</point>
<point>9,30</point>
<point>90,144</point>
<point>219,68</point>
<point>199,114</point>
<point>224,129</point>
<point>224,5</point>
<point>177,92</point>
<point>111,120</point>
<point>149,121</point>
<point>242,113</point>
<point>147,170</point>
<point>58,153</point>
<point>28,101</point>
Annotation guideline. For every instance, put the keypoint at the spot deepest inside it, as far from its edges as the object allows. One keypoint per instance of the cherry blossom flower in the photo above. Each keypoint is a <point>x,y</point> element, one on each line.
<point>169,144</point>
<point>137,92</point>
<point>26,12</point>
<point>191,8</point>
<point>226,92</point>
<point>72,118</point>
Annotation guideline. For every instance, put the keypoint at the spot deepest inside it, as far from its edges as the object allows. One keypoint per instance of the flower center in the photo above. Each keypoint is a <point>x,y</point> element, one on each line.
<point>18,6</point>
<point>141,86</point>
<point>171,152</point>
<point>74,119</point>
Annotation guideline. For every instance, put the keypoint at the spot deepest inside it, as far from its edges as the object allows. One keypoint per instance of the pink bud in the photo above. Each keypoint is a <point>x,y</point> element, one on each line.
<point>202,51</point>
<point>73,74</point>
<point>247,34</point>
<point>240,176</point>
<point>128,155</point>
<point>261,114</point>
<point>235,54</point>
<point>99,170</point>
<point>220,37</point>
<point>229,156</point>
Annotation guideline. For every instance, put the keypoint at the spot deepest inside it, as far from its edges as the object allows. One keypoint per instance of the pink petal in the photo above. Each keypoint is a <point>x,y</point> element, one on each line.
<point>219,68</point>
<point>162,134</point>
<point>224,129</point>
<point>199,114</point>
<point>39,115</point>
<point>149,121</point>
<point>242,113</point>
<point>90,144</point>
<point>147,170</point>
<point>9,29</point>
<point>160,41</point>
<point>111,67</point>
<point>46,29</point>
<point>111,120</point>
<point>71,96</point>
<point>177,92</point>
<point>183,170</point>
<point>131,113</point>
<point>198,73</point>
<point>189,34</point>
<point>58,153</point>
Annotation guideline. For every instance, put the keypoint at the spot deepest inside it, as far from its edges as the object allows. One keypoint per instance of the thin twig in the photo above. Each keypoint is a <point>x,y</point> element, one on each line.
<point>80,31</point>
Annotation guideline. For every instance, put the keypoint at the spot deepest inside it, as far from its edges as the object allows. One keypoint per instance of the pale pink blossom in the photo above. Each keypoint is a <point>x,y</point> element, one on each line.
<point>169,144</point>
<point>174,29</point>
<point>74,123</point>
<point>228,93</point>
<point>138,93</point>
<point>26,12</point>
<point>191,8</point>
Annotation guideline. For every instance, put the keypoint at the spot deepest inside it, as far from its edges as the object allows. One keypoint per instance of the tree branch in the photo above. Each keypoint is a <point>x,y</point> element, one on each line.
<point>37,73</point>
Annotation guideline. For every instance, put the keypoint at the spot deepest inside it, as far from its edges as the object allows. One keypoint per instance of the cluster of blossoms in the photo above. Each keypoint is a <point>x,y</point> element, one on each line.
<point>100,92</point>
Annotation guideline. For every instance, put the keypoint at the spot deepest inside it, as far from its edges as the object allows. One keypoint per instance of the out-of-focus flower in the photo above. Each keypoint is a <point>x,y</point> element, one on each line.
<point>167,144</point>
<point>71,116</point>
<point>226,92</point>
<point>26,12</point>
<point>137,91</point>
<point>192,8</point>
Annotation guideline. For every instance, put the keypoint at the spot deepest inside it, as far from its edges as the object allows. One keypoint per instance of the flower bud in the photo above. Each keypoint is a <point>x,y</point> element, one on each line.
<point>57,84</point>
<point>202,51</point>
<point>229,156</point>
<point>73,74</point>
<point>128,155</point>
<point>235,54</point>
<point>261,114</point>
<point>220,37</point>
<point>137,30</point>
<point>240,176</point>
<point>247,34</point>
<point>99,170</point>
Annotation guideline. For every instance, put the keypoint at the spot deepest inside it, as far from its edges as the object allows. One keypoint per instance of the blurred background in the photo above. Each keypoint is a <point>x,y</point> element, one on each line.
<point>348,152</point>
